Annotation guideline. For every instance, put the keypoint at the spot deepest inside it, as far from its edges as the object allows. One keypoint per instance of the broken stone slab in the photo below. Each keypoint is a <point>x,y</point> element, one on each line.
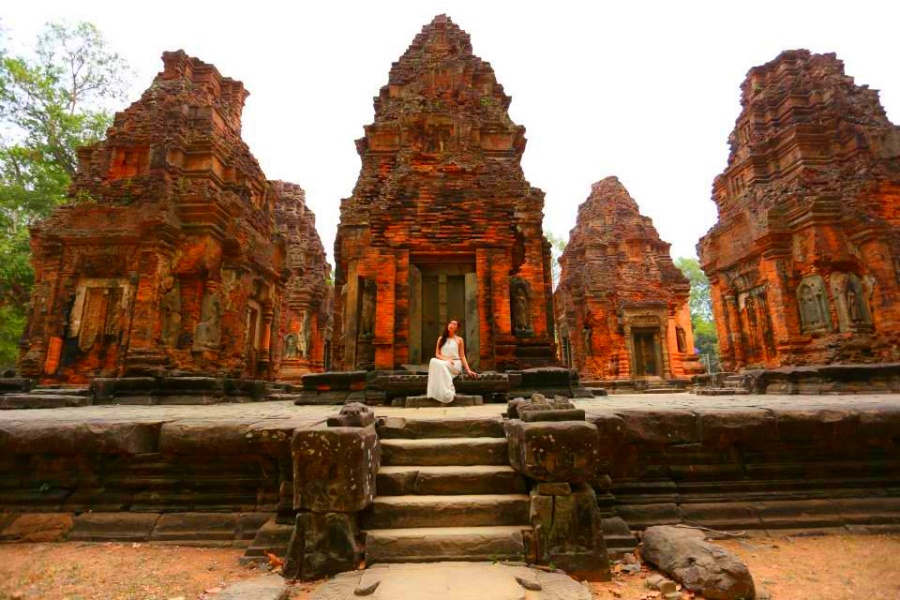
<point>453,581</point>
<point>702,567</point>
<point>426,402</point>
<point>267,587</point>
<point>552,452</point>
<point>335,467</point>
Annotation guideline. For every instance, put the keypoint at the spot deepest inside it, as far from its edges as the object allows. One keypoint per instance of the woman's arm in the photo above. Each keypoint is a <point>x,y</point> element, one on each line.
<point>462,357</point>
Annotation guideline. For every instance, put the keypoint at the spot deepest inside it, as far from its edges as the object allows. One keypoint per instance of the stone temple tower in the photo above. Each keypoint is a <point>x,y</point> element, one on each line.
<point>622,304</point>
<point>804,261</point>
<point>442,222</point>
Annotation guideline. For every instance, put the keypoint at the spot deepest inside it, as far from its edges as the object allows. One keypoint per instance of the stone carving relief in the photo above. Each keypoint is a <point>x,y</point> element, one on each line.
<point>290,346</point>
<point>171,312</point>
<point>367,308</point>
<point>303,339</point>
<point>851,299</point>
<point>521,307</point>
<point>208,332</point>
<point>813,302</point>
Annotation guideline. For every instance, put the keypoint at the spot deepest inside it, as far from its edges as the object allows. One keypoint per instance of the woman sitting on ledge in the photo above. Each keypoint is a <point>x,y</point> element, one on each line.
<point>449,360</point>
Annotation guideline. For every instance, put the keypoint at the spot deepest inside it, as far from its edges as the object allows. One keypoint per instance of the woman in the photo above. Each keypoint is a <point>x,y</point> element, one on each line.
<point>449,360</point>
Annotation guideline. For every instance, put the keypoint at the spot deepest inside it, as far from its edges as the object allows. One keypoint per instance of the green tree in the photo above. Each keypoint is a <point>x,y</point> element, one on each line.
<point>705,337</point>
<point>51,102</point>
<point>557,247</point>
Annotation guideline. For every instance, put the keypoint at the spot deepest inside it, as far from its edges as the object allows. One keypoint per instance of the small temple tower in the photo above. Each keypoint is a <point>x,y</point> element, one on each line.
<point>442,222</point>
<point>306,305</point>
<point>621,304</point>
<point>804,261</point>
<point>168,260</point>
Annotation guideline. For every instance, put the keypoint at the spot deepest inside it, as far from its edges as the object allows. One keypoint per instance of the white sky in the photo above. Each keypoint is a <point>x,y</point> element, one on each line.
<point>643,90</point>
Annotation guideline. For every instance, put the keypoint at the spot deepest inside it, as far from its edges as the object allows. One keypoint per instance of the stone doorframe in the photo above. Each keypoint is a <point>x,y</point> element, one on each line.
<point>420,346</point>
<point>646,318</point>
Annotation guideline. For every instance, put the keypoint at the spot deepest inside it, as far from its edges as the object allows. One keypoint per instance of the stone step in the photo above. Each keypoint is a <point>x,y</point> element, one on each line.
<point>722,392</point>
<point>445,451</point>
<point>399,512</point>
<point>426,402</point>
<point>449,480</point>
<point>406,428</point>
<point>63,391</point>
<point>33,400</point>
<point>432,544</point>
<point>663,390</point>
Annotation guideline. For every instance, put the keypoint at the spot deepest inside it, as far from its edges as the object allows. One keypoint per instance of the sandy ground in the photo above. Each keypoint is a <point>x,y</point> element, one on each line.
<point>113,571</point>
<point>835,567</point>
<point>802,568</point>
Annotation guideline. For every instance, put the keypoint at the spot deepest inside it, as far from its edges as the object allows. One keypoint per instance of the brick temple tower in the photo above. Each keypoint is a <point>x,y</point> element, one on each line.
<point>622,304</point>
<point>442,222</point>
<point>168,260</point>
<point>804,261</point>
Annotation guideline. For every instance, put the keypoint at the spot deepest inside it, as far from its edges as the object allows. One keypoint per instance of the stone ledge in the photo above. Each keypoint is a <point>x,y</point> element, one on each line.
<point>426,402</point>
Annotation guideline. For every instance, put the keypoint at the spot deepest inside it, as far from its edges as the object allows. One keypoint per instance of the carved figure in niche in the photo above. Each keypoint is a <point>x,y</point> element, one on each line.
<point>305,334</point>
<point>680,339</point>
<point>208,333</point>
<point>367,308</point>
<point>586,334</point>
<point>171,311</point>
<point>813,302</point>
<point>290,346</point>
<point>521,313</point>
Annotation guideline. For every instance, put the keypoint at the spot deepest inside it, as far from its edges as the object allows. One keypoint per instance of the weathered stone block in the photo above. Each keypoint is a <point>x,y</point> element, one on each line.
<point>105,527</point>
<point>566,451</point>
<point>568,533</point>
<point>334,468</point>
<point>322,544</point>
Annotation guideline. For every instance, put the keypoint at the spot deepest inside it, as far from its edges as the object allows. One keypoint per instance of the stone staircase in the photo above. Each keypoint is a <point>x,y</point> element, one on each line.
<point>445,492</point>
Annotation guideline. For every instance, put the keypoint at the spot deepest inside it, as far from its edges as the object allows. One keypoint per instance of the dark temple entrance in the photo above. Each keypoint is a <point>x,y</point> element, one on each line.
<point>646,353</point>
<point>438,293</point>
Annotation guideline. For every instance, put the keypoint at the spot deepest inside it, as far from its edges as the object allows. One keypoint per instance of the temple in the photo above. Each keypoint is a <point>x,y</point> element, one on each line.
<point>621,304</point>
<point>804,261</point>
<point>168,260</point>
<point>442,223</point>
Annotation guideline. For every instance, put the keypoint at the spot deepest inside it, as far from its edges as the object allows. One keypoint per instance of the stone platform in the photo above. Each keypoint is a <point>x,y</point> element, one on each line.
<point>216,474</point>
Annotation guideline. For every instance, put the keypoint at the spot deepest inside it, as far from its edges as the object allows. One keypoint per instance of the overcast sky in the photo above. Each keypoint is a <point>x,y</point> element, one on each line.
<point>645,91</point>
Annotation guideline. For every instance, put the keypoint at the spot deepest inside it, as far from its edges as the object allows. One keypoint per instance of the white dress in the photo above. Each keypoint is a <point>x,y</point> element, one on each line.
<point>441,373</point>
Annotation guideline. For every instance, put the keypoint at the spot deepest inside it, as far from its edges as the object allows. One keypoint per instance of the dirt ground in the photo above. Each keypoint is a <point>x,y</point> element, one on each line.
<point>834,567</point>
<point>113,571</point>
<point>801,568</point>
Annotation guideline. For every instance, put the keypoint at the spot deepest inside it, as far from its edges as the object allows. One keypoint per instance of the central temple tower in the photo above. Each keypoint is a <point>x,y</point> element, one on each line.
<point>442,223</point>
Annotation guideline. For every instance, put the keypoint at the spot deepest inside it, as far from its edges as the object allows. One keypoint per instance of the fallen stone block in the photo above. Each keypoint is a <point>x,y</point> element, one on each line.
<point>701,567</point>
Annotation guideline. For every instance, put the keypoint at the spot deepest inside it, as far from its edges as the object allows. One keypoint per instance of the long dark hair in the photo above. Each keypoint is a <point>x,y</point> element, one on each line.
<point>446,333</point>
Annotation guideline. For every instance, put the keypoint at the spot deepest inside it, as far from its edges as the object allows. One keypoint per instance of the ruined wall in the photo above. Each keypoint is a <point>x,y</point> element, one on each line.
<point>305,324</point>
<point>621,303</point>
<point>441,188</point>
<point>804,261</point>
<point>167,258</point>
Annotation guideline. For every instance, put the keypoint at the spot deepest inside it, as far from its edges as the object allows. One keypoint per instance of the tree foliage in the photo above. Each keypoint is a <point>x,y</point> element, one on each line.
<point>557,247</point>
<point>51,102</point>
<point>705,337</point>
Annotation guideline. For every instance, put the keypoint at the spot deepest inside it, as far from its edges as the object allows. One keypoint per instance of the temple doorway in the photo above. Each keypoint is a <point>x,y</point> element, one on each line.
<point>438,293</point>
<point>647,357</point>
